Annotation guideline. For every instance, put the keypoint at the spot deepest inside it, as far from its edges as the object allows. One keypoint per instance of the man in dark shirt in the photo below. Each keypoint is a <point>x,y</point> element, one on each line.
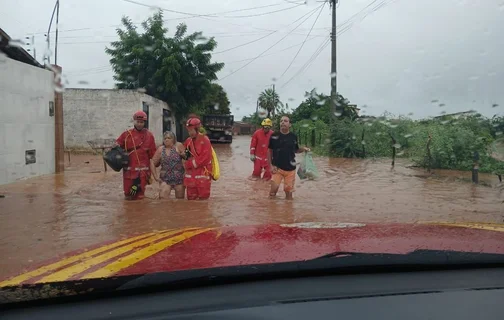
<point>283,147</point>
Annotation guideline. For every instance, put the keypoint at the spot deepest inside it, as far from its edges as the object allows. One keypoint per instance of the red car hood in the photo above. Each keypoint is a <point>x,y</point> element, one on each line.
<point>196,248</point>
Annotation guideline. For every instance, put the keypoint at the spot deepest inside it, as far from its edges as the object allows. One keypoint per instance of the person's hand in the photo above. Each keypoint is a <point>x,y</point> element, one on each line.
<point>155,178</point>
<point>274,169</point>
<point>306,149</point>
<point>136,187</point>
<point>252,157</point>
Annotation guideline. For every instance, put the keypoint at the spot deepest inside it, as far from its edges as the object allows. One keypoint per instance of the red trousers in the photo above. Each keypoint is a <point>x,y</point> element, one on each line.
<point>197,185</point>
<point>128,183</point>
<point>259,165</point>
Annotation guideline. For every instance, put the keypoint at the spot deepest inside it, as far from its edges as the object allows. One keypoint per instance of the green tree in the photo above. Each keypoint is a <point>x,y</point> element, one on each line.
<point>318,106</point>
<point>269,100</point>
<point>175,69</point>
<point>216,101</point>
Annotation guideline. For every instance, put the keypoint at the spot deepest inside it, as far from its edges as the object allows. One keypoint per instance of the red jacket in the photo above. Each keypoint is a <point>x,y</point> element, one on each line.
<point>259,144</point>
<point>140,146</point>
<point>201,154</point>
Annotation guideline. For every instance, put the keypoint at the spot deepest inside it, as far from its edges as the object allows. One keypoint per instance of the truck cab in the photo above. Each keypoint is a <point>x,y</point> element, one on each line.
<point>219,127</point>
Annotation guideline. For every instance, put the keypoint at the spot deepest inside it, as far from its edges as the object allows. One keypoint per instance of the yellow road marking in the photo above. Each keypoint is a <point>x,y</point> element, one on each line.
<point>56,265</point>
<point>473,225</point>
<point>141,254</point>
<point>85,255</point>
<point>85,265</point>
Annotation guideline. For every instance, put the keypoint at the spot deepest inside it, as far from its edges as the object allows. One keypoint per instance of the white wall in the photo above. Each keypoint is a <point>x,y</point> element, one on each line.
<point>25,124</point>
<point>91,114</point>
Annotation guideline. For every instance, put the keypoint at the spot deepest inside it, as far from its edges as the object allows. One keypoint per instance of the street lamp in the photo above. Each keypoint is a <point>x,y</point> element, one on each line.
<point>55,10</point>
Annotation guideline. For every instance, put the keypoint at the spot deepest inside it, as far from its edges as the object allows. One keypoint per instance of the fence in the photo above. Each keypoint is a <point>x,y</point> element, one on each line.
<point>311,137</point>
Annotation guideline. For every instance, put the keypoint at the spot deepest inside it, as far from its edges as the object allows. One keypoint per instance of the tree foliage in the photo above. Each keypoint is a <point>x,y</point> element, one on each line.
<point>269,100</point>
<point>216,101</point>
<point>318,106</point>
<point>175,69</point>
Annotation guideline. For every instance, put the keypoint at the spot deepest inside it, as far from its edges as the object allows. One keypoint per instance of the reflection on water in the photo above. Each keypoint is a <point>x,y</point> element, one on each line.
<point>54,214</point>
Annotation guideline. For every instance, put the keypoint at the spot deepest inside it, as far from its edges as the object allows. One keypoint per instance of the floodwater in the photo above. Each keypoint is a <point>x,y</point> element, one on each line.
<point>44,217</point>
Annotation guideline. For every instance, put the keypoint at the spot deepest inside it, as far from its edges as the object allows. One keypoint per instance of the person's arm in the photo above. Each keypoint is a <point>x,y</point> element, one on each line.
<point>152,145</point>
<point>204,156</point>
<point>300,149</point>
<point>156,159</point>
<point>271,145</point>
<point>180,149</point>
<point>122,139</point>
<point>253,144</point>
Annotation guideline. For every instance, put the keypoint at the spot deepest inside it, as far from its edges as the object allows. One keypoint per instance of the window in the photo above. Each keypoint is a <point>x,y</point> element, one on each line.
<point>145,108</point>
<point>30,156</point>
<point>51,109</point>
<point>167,121</point>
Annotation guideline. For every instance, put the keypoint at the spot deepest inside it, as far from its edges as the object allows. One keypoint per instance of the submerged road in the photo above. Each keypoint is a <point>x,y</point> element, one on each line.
<point>45,217</point>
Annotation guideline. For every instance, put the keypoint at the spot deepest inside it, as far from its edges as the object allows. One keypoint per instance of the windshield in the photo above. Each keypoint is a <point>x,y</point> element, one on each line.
<point>153,136</point>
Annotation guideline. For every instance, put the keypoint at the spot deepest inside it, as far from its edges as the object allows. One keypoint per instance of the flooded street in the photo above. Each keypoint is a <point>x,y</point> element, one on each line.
<point>51,215</point>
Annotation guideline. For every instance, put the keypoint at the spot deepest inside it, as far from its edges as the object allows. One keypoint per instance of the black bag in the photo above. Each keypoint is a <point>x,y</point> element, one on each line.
<point>116,158</point>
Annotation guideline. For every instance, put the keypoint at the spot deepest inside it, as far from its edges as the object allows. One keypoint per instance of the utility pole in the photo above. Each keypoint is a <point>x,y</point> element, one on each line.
<point>57,26</point>
<point>274,107</point>
<point>334,74</point>
<point>56,7</point>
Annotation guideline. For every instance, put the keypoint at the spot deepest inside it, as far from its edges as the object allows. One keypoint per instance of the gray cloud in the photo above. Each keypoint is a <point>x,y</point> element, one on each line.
<point>398,58</point>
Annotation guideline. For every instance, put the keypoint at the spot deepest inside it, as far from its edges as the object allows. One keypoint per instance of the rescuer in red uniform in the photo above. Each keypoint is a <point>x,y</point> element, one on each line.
<point>259,150</point>
<point>140,145</point>
<point>198,166</point>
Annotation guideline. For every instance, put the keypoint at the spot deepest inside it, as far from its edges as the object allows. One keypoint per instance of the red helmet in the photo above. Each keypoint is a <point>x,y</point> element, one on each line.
<point>140,115</point>
<point>193,123</point>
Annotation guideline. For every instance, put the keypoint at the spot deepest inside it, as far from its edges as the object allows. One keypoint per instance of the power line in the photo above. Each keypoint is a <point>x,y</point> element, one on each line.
<point>90,73</point>
<point>274,31</point>
<point>297,53</point>
<point>219,36</point>
<point>191,15</point>
<point>215,14</point>
<point>244,44</point>
<point>266,55</point>
<point>312,12</point>
<point>345,27</point>
<point>264,13</point>
<point>87,69</point>
<point>319,49</point>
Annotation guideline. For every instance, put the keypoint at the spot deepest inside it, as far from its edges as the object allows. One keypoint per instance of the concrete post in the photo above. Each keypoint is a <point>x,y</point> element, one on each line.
<point>59,142</point>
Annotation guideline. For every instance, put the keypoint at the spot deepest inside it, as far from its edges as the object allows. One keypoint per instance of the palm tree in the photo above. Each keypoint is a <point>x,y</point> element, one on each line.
<point>269,100</point>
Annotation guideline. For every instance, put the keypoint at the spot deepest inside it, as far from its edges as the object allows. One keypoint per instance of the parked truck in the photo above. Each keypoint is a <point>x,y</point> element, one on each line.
<point>219,127</point>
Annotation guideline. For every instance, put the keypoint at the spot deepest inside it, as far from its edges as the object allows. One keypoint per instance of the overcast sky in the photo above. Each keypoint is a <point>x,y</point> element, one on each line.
<point>394,55</point>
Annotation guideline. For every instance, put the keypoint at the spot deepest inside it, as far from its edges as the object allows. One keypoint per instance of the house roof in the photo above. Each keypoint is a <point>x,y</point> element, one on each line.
<point>15,52</point>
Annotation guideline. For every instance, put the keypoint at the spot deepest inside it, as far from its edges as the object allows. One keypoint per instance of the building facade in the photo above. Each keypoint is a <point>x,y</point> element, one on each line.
<point>27,124</point>
<point>103,114</point>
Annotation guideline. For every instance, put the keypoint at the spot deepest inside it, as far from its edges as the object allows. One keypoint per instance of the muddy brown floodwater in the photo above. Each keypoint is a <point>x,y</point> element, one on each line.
<point>44,217</point>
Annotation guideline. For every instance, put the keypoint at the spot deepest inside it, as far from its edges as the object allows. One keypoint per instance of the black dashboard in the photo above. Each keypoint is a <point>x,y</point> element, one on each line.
<point>446,294</point>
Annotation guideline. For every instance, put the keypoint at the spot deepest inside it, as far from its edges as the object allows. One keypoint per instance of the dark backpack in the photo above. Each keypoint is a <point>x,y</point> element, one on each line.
<point>116,158</point>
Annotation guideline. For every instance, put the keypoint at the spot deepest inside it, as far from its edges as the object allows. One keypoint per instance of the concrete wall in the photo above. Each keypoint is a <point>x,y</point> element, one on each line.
<point>25,124</point>
<point>91,114</point>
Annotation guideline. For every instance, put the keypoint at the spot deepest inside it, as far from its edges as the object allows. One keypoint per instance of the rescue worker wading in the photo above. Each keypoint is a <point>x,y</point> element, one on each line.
<point>259,150</point>
<point>139,143</point>
<point>198,167</point>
